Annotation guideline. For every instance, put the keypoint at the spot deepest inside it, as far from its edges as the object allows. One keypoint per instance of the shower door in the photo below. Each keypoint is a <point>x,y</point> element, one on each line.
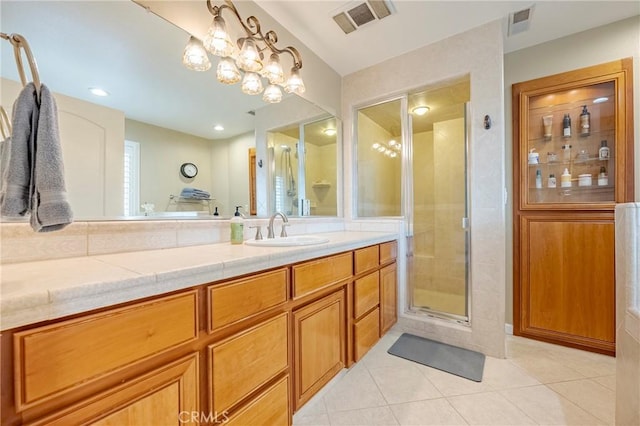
<point>438,237</point>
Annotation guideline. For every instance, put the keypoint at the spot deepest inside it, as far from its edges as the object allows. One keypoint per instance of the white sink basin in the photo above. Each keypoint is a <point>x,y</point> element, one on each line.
<point>294,240</point>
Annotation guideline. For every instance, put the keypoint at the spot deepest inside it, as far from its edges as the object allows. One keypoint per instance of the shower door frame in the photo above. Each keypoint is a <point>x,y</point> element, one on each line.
<point>466,224</point>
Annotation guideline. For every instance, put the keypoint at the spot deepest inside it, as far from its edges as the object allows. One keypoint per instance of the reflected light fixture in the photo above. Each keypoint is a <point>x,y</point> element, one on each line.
<point>253,57</point>
<point>329,132</point>
<point>390,149</point>
<point>420,110</point>
<point>98,91</point>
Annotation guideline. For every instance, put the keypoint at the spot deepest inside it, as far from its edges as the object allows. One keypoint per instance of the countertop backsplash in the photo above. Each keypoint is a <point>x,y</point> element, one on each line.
<point>21,244</point>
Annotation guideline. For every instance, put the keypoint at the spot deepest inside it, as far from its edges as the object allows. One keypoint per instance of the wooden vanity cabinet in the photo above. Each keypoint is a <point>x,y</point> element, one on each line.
<point>264,345</point>
<point>564,248</point>
<point>319,340</point>
<point>166,395</point>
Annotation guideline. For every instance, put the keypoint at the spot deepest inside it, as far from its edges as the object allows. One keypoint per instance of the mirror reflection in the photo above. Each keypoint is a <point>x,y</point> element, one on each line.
<point>125,153</point>
<point>304,168</point>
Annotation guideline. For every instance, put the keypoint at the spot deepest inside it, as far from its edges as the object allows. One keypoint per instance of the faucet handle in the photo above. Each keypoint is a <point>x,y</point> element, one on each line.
<point>258,232</point>
<point>283,233</point>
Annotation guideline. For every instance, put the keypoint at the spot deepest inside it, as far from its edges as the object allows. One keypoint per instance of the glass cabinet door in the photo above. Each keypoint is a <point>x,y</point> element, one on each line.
<point>571,146</point>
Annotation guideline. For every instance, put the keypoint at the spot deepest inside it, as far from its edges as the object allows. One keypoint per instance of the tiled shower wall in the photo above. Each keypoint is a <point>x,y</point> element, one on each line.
<point>628,314</point>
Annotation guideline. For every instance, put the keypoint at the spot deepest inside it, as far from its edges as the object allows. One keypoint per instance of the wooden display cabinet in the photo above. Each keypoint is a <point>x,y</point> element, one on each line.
<point>564,274</point>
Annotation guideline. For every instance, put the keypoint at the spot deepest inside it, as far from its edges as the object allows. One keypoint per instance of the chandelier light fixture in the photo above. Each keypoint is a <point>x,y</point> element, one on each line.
<point>252,58</point>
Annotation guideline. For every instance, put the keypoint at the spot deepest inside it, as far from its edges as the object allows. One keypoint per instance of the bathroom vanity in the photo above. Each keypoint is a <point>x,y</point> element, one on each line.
<point>249,348</point>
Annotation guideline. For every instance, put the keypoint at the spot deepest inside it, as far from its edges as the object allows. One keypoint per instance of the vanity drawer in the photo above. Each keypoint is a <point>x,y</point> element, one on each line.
<point>242,363</point>
<point>366,294</point>
<point>388,252</point>
<point>241,299</point>
<point>316,274</point>
<point>52,359</point>
<point>366,333</point>
<point>366,259</point>
<point>270,408</point>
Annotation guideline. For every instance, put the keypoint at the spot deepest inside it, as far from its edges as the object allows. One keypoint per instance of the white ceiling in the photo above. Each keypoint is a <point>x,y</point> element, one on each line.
<point>418,23</point>
<point>136,55</point>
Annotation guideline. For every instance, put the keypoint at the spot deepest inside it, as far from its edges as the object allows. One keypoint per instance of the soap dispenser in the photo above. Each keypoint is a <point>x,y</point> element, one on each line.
<point>237,227</point>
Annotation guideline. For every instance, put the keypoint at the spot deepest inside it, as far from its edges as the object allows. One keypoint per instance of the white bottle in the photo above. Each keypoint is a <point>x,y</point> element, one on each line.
<point>551,182</point>
<point>538,179</point>
<point>565,179</point>
<point>603,152</point>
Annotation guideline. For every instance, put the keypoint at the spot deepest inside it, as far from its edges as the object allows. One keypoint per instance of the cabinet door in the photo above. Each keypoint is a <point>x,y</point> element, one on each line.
<point>246,361</point>
<point>574,148</point>
<point>567,276</point>
<point>388,298</point>
<point>167,395</point>
<point>319,344</point>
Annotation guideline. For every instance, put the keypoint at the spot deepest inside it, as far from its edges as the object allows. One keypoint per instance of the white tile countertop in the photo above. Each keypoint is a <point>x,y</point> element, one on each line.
<point>44,290</point>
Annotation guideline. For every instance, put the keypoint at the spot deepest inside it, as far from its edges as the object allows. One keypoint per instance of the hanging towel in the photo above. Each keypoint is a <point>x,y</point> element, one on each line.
<point>50,208</point>
<point>34,178</point>
<point>16,179</point>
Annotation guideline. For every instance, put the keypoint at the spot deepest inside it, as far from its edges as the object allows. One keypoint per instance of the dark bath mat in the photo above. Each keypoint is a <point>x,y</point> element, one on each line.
<point>452,359</point>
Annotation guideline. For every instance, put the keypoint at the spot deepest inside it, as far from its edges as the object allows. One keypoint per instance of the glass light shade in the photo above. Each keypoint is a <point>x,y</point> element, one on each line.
<point>295,83</point>
<point>217,40</point>
<point>252,84</point>
<point>272,94</point>
<point>375,145</point>
<point>227,72</point>
<point>249,57</point>
<point>195,57</point>
<point>381,148</point>
<point>273,70</point>
<point>420,110</point>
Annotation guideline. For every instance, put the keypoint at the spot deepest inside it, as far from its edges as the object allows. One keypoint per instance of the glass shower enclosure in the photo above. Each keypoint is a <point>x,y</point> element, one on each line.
<point>412,162</point>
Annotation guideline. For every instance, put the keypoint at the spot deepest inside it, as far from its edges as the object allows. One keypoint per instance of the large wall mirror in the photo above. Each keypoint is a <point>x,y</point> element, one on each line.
<point>127,150</point>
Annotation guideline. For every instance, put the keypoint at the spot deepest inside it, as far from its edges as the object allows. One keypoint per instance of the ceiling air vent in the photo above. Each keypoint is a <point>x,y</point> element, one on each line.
<point>520,21</point>
<point>358,13</point>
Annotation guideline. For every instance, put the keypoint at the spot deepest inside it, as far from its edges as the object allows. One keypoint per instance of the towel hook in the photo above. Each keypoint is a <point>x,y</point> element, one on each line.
<point>18,41</point>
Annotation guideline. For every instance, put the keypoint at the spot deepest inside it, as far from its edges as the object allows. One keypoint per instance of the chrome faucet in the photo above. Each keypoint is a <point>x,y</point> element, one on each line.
<point>285,223</point>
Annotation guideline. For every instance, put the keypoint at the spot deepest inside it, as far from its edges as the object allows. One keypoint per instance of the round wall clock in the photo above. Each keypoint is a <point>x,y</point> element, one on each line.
<point>189,170</point>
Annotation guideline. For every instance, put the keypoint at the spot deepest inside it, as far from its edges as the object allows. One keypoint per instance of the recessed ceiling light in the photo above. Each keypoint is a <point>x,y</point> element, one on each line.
<point>98,91</point>
<point>329,132</point>
<point>600,100</point>
<point>420,110</point>
<point>218,128</point>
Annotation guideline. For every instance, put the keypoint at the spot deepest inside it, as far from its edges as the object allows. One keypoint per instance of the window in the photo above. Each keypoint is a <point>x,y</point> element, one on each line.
<point>131,178</point>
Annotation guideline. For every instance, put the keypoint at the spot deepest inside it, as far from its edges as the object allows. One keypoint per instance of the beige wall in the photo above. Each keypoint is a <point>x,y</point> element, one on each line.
<point>162,152</point>
<point>92,139</point>
<point>321,169</point>
<point>610,42</point>
<point>423,198</point>
<point>381,195</point>
<point>479,53</point>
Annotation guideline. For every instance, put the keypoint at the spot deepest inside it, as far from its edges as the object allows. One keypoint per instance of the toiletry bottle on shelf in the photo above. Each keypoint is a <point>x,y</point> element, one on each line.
<point>566,126</point>
<point>551,182</point>
<point>538,179</point>
<point>237,228</point>
<point>215,213</point>
<point>565,179</point>
<point>566,152</point>
<point>603,179</point>
<point>585,122</point>
<point>603,152</point>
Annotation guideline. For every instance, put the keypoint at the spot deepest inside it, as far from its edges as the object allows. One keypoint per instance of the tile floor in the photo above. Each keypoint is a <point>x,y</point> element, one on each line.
<point>538,383</point>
